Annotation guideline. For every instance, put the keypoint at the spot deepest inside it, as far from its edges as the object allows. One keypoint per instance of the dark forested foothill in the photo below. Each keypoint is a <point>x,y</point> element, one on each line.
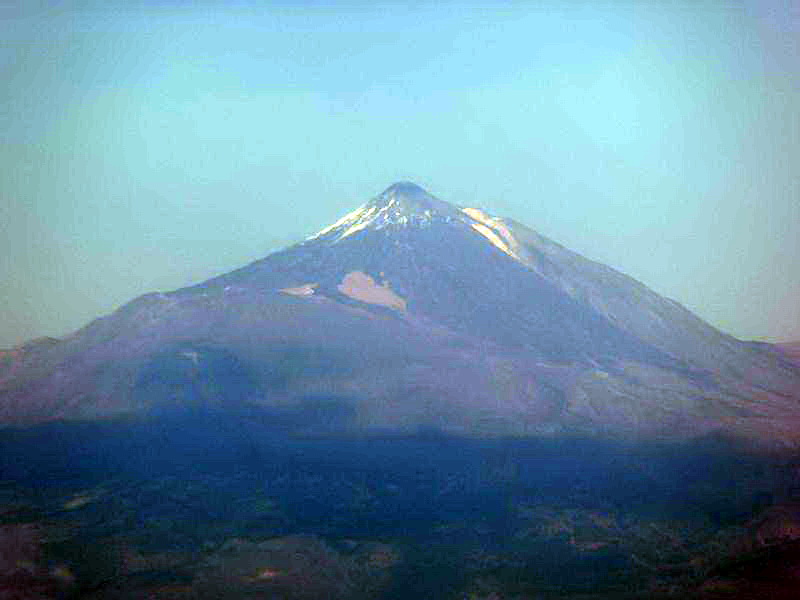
<point>224,509</point>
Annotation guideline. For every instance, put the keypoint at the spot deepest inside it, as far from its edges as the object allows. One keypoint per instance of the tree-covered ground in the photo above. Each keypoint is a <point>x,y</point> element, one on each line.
<point>214,507</point>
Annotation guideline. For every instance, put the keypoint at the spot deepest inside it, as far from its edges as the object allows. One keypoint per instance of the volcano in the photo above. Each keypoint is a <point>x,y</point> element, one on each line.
<point>408,315</point>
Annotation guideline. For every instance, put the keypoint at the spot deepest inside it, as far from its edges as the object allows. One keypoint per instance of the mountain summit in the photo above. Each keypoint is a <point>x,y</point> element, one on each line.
<point>411,313</point>
<point>400,204</point>
<point>405,204</point>
<point>409,199</point>
<point>410,195</point>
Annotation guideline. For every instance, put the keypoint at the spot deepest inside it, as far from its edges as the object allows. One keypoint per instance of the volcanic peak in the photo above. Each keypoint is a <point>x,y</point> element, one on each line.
<point>405,204</point>
<point>402,203</point>
<point>408,200</point>
<point>406,189</point>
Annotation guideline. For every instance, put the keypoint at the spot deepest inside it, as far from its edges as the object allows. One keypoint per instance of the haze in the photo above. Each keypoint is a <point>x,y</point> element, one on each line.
<point>147,146</point>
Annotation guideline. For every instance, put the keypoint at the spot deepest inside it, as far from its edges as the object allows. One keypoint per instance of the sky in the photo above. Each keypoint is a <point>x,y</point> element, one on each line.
<point>150,145</point>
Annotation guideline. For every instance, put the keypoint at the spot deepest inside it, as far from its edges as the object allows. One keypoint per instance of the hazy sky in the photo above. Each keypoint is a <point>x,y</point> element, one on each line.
<point>146,146</point>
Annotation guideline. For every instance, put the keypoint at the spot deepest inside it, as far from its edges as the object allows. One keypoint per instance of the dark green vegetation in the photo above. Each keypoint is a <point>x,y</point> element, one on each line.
<point>205,504</point>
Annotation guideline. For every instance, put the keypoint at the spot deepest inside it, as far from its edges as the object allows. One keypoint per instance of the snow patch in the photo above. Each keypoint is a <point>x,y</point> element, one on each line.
<point>306,289</point>
<point>348,218</point>
<point>476,214</point>
<point>192,355</point>
<point>493,238</point>
<point>384,211</point>
<point>496,232</point>
<point>360,286</point>
<point>361,223</point>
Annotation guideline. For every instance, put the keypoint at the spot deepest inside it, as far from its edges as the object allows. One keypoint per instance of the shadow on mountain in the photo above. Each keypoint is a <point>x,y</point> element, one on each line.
<point>561,514</point>
<point>709,479</point>
<point>194,378</point>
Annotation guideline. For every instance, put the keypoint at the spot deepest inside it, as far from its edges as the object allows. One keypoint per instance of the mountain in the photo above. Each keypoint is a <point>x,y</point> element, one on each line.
<point>791,350</point>
<point>412,315</point>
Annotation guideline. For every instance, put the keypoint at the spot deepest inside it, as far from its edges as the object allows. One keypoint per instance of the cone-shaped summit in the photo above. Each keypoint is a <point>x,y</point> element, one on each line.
<point>400,204</point>
<point>410,199</point>
<point>405,190</point>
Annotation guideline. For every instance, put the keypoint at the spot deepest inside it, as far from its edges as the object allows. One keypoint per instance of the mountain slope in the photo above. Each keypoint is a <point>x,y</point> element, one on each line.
<point>791,350</point>
<point>412,313</point>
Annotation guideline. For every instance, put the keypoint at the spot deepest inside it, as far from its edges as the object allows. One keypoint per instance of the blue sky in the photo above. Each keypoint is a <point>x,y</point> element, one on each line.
<point>151,145</point>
